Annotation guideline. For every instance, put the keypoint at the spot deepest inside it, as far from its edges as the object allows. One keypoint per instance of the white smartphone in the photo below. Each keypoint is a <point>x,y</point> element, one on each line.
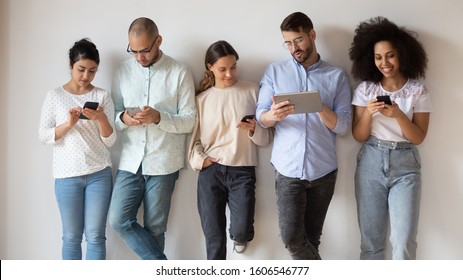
<point>132,111</point>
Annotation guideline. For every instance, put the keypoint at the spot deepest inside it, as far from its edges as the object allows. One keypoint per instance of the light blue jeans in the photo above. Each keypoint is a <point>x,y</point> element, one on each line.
<point>83,202</point>
<point>130,190</point>
<point>388,190</point>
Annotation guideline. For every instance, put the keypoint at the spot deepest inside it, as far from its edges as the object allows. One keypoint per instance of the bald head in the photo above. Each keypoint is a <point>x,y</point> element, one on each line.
<point>143,26</point>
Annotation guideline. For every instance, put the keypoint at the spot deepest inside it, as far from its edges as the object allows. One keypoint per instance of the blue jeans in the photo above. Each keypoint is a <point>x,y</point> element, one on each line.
<point>83,203</point>
<point>302,206</point>
<point>130,190</point>
<point>388,189</point>
<point>218,185</point>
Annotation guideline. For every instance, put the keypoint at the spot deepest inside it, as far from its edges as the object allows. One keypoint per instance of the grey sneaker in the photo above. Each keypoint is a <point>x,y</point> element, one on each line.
<point>239,247</point>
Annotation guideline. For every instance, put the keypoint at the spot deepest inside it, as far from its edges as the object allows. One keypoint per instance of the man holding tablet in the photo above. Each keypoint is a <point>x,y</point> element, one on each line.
<point>303,102</point>
<point>304,153</point>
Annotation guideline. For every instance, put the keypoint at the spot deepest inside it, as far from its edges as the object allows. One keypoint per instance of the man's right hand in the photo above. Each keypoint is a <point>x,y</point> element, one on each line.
<point>128,120</point>
<point>277,112</point>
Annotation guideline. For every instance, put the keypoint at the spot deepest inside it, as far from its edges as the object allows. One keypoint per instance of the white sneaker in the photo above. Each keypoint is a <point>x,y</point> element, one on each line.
<point>239,247</point>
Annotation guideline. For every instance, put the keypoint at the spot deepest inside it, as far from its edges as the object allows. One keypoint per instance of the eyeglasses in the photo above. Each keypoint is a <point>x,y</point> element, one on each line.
<point>142,52</point>
<point>296,42</point>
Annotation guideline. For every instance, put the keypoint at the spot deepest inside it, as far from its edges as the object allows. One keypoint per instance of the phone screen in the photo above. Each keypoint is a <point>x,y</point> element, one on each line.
<point>385,98</point>
<point>133,111</point>
<point>247,117</point>
<point>89,105</point>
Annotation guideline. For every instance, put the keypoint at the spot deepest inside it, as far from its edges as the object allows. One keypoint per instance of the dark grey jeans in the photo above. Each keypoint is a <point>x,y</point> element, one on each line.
<point>302,206</point>
<point>219,185</point>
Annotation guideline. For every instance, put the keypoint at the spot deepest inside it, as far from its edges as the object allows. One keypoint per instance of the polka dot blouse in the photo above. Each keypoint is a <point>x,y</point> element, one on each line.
<point>81,151</point>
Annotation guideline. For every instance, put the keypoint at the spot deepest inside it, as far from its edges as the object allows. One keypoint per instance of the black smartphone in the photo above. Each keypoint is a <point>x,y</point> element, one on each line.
<point>247,117</point>
<point>90,105</point>
<point>385,98</point>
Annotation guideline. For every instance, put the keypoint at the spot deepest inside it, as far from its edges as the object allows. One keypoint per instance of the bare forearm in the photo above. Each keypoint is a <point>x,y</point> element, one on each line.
<point>328,117</point>
<point>105,128</point>
<point>361,127</point>
<point>267,119</point>
<point>61,130</point>
<point>415,131</point>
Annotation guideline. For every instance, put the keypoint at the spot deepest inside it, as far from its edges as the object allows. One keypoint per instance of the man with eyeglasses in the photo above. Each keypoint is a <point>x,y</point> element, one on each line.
<point>304,152</point>
<point>155,110</point>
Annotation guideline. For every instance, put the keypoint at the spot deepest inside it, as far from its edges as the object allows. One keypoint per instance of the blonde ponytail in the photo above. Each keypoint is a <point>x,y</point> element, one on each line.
<point>207,82</point>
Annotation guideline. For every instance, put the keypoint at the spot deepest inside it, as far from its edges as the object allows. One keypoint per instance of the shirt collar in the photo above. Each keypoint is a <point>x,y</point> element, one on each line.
<point>155,65</point>
<point>160,61</point>
<point>311,67</point>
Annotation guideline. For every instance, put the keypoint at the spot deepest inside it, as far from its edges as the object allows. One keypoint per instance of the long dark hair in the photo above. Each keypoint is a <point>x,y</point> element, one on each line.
<point>215,51</point>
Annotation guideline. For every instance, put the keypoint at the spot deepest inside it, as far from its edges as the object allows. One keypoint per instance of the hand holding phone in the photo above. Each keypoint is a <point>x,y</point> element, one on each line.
<point>89,105</point>
<point>385,98</point>
<point>247,117</point>
<point>132,111</point>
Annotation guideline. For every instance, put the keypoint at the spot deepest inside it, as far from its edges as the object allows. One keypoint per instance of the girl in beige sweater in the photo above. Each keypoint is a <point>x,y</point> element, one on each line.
<point>223,148</point>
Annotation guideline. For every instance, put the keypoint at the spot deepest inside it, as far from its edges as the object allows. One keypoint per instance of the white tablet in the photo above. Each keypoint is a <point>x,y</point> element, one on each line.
<point>304,101</point>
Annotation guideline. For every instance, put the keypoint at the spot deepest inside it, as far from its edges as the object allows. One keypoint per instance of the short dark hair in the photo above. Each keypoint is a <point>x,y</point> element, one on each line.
<point>296,22</point>
<point>412,56</point>
<point>83,49</point>
<point>144,25</point>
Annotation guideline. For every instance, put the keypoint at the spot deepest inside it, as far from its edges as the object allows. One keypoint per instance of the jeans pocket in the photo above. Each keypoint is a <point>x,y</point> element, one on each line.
<point>209,166</point>
<point>417,157</point>
<point>361,152</point>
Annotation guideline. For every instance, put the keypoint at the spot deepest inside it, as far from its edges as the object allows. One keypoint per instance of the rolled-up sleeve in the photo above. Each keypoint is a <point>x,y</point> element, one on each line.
<point>108,107</point>
<point>342,105</point>
<point>264,102</point>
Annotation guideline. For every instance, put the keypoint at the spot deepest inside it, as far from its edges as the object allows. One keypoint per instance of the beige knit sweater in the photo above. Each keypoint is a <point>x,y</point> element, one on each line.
<point>215,133</point>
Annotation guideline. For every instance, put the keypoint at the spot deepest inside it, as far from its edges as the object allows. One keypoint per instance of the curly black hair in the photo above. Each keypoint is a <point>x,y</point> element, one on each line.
<point>412,56</point>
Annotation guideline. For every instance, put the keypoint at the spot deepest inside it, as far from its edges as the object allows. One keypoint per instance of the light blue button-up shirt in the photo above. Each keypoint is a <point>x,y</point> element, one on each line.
<point>168,87</point>
<point>303,146</point>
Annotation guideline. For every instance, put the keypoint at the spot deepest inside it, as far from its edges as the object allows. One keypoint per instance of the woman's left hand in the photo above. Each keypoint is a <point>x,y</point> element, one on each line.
<point>94,115</point>
<point>391,111</point>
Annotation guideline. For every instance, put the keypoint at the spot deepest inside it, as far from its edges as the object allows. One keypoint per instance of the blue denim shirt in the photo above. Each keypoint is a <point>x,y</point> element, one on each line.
<point>168,87</point>
<point>303,146</point>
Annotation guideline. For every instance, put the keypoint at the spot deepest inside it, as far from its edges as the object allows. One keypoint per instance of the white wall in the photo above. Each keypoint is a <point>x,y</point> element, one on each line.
<point>37,34</point>
<point>3,125</point>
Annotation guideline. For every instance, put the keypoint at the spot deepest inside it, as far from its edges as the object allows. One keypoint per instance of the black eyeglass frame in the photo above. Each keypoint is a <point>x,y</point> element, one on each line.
<point>142,52</point>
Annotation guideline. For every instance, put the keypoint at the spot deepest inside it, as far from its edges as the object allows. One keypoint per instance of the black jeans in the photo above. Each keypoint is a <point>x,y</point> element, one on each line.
<point>217,186</point>
<point>302,206</point>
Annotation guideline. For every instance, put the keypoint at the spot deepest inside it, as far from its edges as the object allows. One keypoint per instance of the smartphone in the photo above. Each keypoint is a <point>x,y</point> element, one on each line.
<point>89,105</point>
<point>247,117</point>
<point>385,98</point>
<point>132,111</point>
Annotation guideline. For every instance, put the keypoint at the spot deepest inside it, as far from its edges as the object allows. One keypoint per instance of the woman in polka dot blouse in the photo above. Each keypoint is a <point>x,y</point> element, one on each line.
<point>81,161</point>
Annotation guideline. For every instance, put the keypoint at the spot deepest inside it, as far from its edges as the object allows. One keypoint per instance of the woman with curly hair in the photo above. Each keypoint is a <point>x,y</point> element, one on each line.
<point>391,117</point>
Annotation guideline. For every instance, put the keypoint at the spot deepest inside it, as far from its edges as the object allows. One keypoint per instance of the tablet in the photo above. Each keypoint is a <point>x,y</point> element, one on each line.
<point>304,101</point>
